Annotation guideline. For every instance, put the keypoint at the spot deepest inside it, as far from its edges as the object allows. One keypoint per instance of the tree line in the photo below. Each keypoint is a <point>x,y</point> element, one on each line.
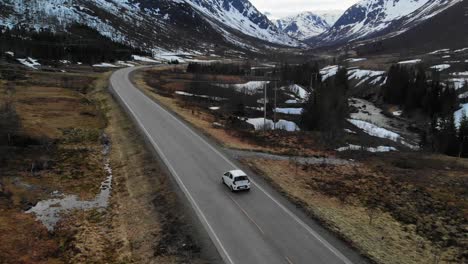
<point>304,74</point>
<point>327,107</point>
<point>219,68</point>
<point>415,89</point>
<point>79,44</point>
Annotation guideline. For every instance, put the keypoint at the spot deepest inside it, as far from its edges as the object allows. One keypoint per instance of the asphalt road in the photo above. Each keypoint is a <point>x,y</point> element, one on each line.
<point>247,228</point>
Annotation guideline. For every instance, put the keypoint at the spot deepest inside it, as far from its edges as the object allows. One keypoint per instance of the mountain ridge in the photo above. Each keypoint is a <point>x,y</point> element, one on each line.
<point>146,24</point>
<point>376,18</point>
<point>303,25</point>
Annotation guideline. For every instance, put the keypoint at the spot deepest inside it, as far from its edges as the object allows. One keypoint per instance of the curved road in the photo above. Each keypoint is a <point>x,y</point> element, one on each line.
<point>247,228</point>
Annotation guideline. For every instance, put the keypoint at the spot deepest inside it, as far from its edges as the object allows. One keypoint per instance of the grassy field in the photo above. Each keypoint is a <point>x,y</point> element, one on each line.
<point>394,208</point>
<point>65,120</point>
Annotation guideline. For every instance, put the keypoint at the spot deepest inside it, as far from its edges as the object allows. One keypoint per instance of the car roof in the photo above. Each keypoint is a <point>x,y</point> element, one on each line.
<point>236,173</point>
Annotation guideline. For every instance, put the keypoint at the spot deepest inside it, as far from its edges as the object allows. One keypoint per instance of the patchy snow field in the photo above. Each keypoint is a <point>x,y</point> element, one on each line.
<point>379,124</point>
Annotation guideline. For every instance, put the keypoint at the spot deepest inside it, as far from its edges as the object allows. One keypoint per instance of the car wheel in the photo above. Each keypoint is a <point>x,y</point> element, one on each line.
<point>232,190</point>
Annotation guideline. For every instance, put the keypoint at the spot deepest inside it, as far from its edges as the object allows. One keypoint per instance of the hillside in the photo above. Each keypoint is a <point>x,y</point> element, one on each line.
<point>445,30</point>
<point>148,25</point>
<point>378,18</point>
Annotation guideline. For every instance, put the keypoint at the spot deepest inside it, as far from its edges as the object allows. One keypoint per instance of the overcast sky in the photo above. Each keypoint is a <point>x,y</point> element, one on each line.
<point>282,8</point>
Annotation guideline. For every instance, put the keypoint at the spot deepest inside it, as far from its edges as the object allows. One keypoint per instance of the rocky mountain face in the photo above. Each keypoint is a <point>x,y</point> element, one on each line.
<point>148,24</point>
<point>242,16</point>
<point>375,18</point>
<point>446,30</point>
<point>303,26</point>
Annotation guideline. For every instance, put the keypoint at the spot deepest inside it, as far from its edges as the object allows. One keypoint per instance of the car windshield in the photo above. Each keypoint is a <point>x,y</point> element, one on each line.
<point>241,178</point>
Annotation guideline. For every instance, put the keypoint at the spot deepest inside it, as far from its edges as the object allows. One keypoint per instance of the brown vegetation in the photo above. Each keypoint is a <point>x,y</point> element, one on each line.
<point>395,209</point>
<point>59,148</point>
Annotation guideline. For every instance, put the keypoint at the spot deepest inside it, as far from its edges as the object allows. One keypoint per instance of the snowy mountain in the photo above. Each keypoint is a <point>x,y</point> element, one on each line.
<point>446,30</point>
<point>372,18</point>
<point>330,16</point>
<point>303,25</point>
<point>148,24</point>
<point>241,15</point>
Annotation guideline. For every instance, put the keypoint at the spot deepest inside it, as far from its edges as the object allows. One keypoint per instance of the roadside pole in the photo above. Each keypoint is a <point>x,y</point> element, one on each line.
<point>274,111</point>
<point>264,106</point>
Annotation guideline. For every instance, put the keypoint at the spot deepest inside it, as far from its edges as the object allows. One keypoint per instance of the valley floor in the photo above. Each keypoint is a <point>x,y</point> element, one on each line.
<point>77,183</point>
<point>399,207</point>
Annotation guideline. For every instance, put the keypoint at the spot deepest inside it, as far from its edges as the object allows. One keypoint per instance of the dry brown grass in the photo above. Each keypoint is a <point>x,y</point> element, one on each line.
<point>323,193</point>
<point>142,224</point>
<point>23,240</point>
<point>66,163</point>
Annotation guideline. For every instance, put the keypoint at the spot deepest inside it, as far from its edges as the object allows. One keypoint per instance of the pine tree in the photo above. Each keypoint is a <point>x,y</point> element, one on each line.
<point>448,137</point>
<point>463,136</point>
<point>327,107</point>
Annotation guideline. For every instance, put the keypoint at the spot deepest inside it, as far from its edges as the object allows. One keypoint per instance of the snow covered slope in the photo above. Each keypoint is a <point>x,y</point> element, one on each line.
<point>330,16</point>
<point>167,24</point>
<point>303,25</point>
<point>242,16</point>
<point>371,18</point>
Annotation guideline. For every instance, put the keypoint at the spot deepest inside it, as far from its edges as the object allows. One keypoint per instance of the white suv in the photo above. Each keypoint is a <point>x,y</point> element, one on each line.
<point>236,180</point>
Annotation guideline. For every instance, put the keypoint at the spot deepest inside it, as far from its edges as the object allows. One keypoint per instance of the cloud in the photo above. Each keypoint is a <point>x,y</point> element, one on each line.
<point>281,8</point>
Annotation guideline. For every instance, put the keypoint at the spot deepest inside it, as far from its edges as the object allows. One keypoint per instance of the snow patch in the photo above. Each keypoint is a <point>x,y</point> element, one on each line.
<point>251,87</point>
<point>268,124</point>
<point>378,149</point>
<point>291,101</point>
<point>289,111</point>
<point>30,63</point>
<point>105,65</point>
<point>329,71</point>
<point>356,60</point>
<point>460,113</point>
<point>415,61</point>
<point>439,51</point>
<point>441,67</point>
<point>144,59</point>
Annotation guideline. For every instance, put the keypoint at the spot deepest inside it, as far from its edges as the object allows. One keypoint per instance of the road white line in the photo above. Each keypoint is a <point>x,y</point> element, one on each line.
<point>248,216</point>
<point>299,221</point>
<point>226,256</point>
